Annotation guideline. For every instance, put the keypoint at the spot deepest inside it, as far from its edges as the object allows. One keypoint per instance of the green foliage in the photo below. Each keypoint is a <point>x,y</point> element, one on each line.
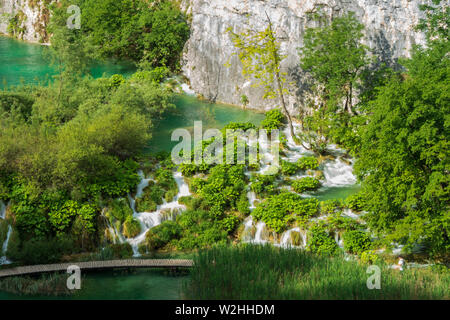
<point>403,161</point>
<point>356,241</point>
<point>119,209</point>
<point>281,210</point>
<point>274,120</point>
<point>41,251</point>
<point>308,163</point>
<point>122,250</point>
<point>263,184</point>
<point>161,235</point>
<point>131,227</point>
<point>330,206</point>
<point>289,168</point>
<point>334,55</point>
<point>229,223</point>
<point>355,201</point>
<point>152,196</point>
<point>151,33</point>
<point>320,241</point>
<point>251,272</point>
<point>200,230</point>
<point>369,257</point>
<point>222,190</point>
<point>243,204</point>
<point>305,184</point>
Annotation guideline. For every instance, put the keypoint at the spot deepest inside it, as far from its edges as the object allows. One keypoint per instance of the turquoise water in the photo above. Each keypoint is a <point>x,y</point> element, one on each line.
<point>190,109</point>
<point>139,284</point>
<point>23,62</point>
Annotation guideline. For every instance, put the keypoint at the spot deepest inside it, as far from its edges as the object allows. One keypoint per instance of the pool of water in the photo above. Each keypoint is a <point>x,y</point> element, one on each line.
<point>190,109</point>
<point>139,284</point>
<point>23,62</point>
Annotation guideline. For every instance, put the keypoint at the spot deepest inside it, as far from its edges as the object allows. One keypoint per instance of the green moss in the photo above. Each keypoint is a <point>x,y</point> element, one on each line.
<point>131,227</point>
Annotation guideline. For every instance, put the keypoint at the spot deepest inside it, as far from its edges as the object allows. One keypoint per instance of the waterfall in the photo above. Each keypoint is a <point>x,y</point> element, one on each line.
<point>3,259</point>
<point>251,196</point>
<point>2,210</point>
<point>338,173</point>
<point>187,90</point>
<point>149,220</point>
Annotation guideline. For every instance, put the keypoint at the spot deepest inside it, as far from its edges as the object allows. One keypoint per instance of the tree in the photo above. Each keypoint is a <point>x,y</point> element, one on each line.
<point>335,57</point>
<point>260,55</point>
<point>404,157</point>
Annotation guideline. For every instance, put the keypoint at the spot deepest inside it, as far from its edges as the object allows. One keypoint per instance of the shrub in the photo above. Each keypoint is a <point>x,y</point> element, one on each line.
<point>305,184</point>
<point>122,250</point>
<point>330,206</point>
<point>355,201</point>
<point>243,205</point>
<point>151,197</point>
<point>42,251</point>
<point>308,163</point>
<point>229,223</point>
<point>280,210</point>
<point>131,227</point>
<point>120,209</point>
<point>356,241</point>
<point>161,235</point>
<point>274,120</point>
<point>289,168</point>
<point>369,257</point>
<point>319,241</point>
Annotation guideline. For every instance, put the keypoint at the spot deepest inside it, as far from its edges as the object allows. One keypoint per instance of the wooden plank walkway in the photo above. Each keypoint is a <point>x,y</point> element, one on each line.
<point>130,263</point>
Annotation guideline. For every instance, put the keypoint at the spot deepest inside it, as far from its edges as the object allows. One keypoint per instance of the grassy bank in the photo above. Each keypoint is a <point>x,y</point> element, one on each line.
<point>53,284</point>
<point>264,272</point>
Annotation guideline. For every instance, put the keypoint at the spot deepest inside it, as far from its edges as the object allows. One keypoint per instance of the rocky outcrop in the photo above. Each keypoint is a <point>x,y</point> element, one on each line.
<point>389,33</point>
<point>25,19</point>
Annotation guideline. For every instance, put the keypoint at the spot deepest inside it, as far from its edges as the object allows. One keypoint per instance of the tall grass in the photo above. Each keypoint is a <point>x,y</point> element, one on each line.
<point>52,284</point>
<point>264,272</point>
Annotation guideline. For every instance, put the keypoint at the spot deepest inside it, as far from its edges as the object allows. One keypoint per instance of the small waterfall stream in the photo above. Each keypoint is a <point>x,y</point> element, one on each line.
<point>336,173</point>
<point>3,259</point>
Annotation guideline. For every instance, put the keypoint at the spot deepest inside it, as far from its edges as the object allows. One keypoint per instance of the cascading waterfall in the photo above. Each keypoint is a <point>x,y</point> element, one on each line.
<point>3,259</point>
<point>149,220</point>
<point>2,210</point>
<point>336,173</point>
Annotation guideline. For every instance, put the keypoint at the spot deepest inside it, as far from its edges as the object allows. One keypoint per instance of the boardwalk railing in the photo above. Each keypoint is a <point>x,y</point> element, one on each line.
<point>131,263</point>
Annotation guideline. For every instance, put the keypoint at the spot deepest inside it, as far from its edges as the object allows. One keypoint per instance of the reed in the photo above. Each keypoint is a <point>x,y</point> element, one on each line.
<point>264,272</point>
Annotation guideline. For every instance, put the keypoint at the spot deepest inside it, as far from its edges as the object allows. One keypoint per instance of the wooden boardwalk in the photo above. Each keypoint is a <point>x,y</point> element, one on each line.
<point>92,265</point>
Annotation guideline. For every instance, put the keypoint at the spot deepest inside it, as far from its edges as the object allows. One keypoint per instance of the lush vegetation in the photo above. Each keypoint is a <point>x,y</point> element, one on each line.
<point>264,272</point>
<point>149,33</point>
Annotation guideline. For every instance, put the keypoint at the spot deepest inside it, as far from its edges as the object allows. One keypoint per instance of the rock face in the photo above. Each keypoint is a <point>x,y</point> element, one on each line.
<point>25,19</point>
<point>389,33</point>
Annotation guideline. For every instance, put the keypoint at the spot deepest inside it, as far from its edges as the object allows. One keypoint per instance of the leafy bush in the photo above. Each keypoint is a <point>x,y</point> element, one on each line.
<point>356,241</point>
<point>355,201</point>
<point>289,168</point>
<point>308,163</point>
<point>280,210</point>
<point>330,206</point>
<point>243,205</point>
<point>200,230</point>
<point>122,250</point>
<point>131,227</point>
<point>152,197</point>
<point>305,184</point>
<point>319,241</point>
<point>263,184</point>
<point>161,235</point>
<point>369,257</point>
<point>274,120</point>
<point>42,251</point>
